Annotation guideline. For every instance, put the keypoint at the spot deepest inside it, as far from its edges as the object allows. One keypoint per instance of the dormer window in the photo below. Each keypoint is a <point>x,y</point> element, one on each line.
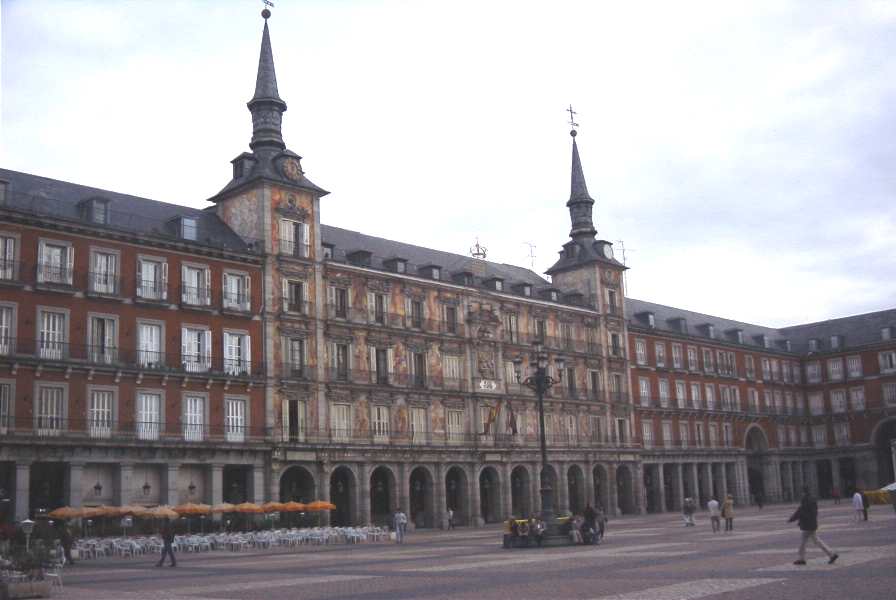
<point>400,266</point>
<point>188,228</point>
<point>431,271</point>
<point>436,273</point>
<point>651,320</point>
<point>499,285</point>
<point>99,212</point>
<point>527,290</point>
<point>886,334</point>
<point>709,330</point>
<point>327,250</point>
<point>813,345</point>
<point>495,283</point>
<point>463,277</point>
<point>787,345</point>
<point>554,295</point>
<point>396,265</point>
<point>359,257</point>
<point>3,186</point>
<point>835,342</point>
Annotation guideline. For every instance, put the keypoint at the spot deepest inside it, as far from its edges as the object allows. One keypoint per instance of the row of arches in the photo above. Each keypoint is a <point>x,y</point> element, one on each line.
<point>426,501</point>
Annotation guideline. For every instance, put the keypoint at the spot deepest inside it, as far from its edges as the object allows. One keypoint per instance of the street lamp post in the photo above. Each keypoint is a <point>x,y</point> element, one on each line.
<point>541,382</point>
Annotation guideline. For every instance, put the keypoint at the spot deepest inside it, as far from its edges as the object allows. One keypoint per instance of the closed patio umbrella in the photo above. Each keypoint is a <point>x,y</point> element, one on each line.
<point>270,507</point>
<point>247,507</point>
<point>193,509</point>
<point>224,507</point>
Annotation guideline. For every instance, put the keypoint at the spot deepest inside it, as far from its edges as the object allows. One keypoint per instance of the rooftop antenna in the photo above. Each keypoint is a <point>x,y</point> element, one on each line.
<point>622,252</point>
<point>478,251</point>
<point>531,254</point>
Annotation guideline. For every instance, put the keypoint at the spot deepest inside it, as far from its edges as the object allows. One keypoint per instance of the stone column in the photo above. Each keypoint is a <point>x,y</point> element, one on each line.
<point>835,474</point>
<point>612,492</point>
<point>506,493</point>
<point>561,494</point>
<point>723,479</point>
<point>661,488</point>
<point>679,485</point>
<point>125,491</point>
<point>75,491</point>
<point>216,487</point>
<point>168,493</point>
<point>813,477</point>
<point>364,494</point>
<point>695,488</point>
<point>741,484</point>
<point>23,490</point>
<point>440,504</point>
<point>638,490</point>
<point>404,489</point>
<point>798,477</point>
<point>590,500</point>
<point>323,487</point>
<point>475,508</point>
<point>707,481</point>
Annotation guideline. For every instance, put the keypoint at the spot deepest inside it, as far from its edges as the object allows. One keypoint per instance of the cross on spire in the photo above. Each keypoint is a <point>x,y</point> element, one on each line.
<point>572,117</point>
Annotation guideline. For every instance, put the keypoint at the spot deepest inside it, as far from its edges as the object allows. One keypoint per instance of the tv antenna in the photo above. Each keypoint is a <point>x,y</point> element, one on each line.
<point>478,251</point>
<point>531,254</point>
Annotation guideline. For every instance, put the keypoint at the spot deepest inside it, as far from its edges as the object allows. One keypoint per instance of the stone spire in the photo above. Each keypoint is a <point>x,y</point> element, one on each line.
<point>266,106</point>
<point>580,203</point>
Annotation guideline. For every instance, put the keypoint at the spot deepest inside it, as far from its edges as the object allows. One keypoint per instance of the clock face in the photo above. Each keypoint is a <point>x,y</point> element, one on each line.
<point>292,169</point>
<point>608,251</point>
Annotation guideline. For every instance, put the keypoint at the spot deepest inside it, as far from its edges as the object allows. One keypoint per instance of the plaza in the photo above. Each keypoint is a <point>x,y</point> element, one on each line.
<point>651,557</point>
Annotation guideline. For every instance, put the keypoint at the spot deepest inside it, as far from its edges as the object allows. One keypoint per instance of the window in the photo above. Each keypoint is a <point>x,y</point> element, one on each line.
<point>664,392</point>
<point>55,263</point>
<point>414,313</point>
<point>376,308</point>
<point>236,291</point>
<point>766,368</point>
<point>99,212</point>
<point>854,366</point>
<point>707,360</point>
<point>237,353</point>
<point>189,230</point>
<point>7,335</point>
<point>451,319</point>
<point>835,369</point>
<point>295,238</point>
<point>196,349</point>
<point>499,287</point>
<point>886,334</point>
<point>293,420</point>
<point>572,429</point>
<point>6,420</point>
<point>615,345</point>
<point>813,345</point>
<point>887,361</point>
<point>594,383</point>
<point>455,424</point>
<point>857,398</point>
<point>684,433</point>
<point>339,361</point>
<point>540,329</point>
<point>713,435</point>
<point>418,425</point>
<point>149,345</point>
<point>50,413</point>
<point>841,433</point>
<point>813,372</point>
<point>295,358</point>
<point>692,358</point>
<point>838,401</point>
<point>647,434</point>
<point>103,341</point>
<point>53,335</point>
<point>152,279</point>
<point>511,327</point>
<point>194,418</point>
<point>104,273</point>
<point>622,432</point>
<point>234,419</point>
<point>8,262</point>
<point>337,298</point>
<point>676,356</point>
<point>698,434</point>
<point>99,414</point>
<point>196,283</point>
<point>727,435</point>
<point>149,416</point>
<point>571,381</point>
<point>644,390</point>
<point>667,434</point>
<point>753,400</point>
<point>816,404</point>
<point>681,394</point>
<point>612,307</point>
<point>889,394</point>
<point>641,352</point>
<point>381,423</point>
<point>695,395</point>
<point>835,342</point>
<point>819,435</point>
<point>381,363</point>
<point>417,368</point>
<point>710,397</point>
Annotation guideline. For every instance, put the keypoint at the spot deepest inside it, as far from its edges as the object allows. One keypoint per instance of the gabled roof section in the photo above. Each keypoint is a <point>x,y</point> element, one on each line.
<point>857,330</point>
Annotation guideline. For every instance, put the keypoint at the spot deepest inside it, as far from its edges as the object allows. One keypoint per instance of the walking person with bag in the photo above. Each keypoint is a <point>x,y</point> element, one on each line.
<point>167,544</point>
<point>714,515</point>
<point>728,513</point>
<point>807,517</point>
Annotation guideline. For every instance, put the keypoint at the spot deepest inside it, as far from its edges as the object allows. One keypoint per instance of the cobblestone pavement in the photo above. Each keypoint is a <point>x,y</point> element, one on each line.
<point>643,558</point>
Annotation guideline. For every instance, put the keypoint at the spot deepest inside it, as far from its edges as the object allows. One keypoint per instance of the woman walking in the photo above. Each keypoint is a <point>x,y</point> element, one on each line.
<point>728,513</point>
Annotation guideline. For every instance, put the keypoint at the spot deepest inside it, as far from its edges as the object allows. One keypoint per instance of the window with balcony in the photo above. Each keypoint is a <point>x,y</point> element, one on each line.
<point>295,239</point>
<point>789,405</point>
<point>53,334</point>
<point>196,285</point>
<point>293,420</point>
<point>857,398</point>
<point>149,345</point>
<point>854,366</point>
<point>692,358</point>
<point>237,291</point>
<point>750,367</point>
<point>889,394</point>
<point>753,400</point>
<point>713,435</point>
<point>5,407</point>
<point>677,357</point>
<point>766,369</point>
<point>664,392</point>
<point>835,369</point>
<point>9,264</point>
<point>640,352</point>
<point>567,336</point>
<point>103,340</point>
<point>668,442</point>
<point>598,435</point>
<point>644,391</point>
<point>681,394</point>
<point>237,353</point>
<point>149,415</point>
<point>103,277</point>
<point>615,345</point>
<point>234,419</point>
<point>727,435</point>
<point>660,350</point>
<point>813,372</point>
<point>376,308</point>
<point>570,377</point>
<point>594,386</point>
<point>838,401</point>
<point>451,319</point>
<point>381,363</point>
<point>707,361</point>
<point>99,413</point>
<point>7,335</point>
<point>50,410</point>
<point>695,396</point>
<point>194,417</point>
<point>647,434</point>
<point>339,361</point>
<point>55,263</point>
<point>381,423</point>
<point>775,369</point>
<point>337,301</point>
<point>152,282</point>
<point>295,358</point>
<point>612,306</point>
<point>816,404</point>
<point>887,361</point>
<point>451,371</point>
<point>698,435</point>
<point>820,435</point>
<point>540,329</point>
<point>454,423</point>
<point>417,423</point>
<point>196,349</point>
<point>511,327</point>
<point>572,429</point>
<point>414,313</point>
<point>684,433</point>
<point>841,434</point>
<point>622,432</point>
<point>417,366</point>
<point>710,392</point>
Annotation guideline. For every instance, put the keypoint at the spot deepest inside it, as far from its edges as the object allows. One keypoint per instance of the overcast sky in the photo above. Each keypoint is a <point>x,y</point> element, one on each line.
<point>744,152</point>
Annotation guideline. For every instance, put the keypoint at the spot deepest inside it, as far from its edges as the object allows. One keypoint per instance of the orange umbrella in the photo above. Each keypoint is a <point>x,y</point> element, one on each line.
<point>89,512</point>
<point>129,509</point>
<point>192,509</point>
<point>320,505</point>
<point>223,507</point>
<point>160,512</point>
<point>247,507</point>
<point>66,512</point>
<point>292,506</point>
<point>270,507</point>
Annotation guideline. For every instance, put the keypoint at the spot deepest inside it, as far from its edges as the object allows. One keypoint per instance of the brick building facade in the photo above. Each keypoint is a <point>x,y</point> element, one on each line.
<point>152,353</point>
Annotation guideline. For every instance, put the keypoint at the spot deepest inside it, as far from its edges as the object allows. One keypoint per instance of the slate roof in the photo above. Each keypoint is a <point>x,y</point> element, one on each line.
<point>857,330</point>
<point>346,241</point>
<point>61,200</point>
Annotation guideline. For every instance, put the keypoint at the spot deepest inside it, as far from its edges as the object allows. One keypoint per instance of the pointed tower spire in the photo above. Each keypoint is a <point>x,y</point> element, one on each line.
<point>266,106</point>
<point>580,203</point>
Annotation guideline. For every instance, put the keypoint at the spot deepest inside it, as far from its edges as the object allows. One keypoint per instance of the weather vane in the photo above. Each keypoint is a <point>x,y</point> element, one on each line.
<point>572,117</point>
<point>478,251</point>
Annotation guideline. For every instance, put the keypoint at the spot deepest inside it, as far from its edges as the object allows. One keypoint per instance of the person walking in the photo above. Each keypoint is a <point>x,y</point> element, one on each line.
<point>167,544</point>
<point>714,515</point>
<point>759,500</point>
<point>865,504</point>
<point>66,539</point>
<point>807,517</point>
<point>728,513</point>
<point>835,494</point>
<point>601,518</point>
<point>858,507</point>
<point>450,518</point>
<point>688,509</point>
<point>400,524</point>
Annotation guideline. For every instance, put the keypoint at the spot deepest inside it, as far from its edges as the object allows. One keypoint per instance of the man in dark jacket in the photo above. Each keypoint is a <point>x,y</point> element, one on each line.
<point>807,515</point>
<point>167,541</point>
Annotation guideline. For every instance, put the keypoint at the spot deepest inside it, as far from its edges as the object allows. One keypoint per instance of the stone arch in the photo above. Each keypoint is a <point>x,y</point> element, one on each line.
<point>457,496</point>
<point>489,494</point>
<point>755,439</point>
<point>575,489</point>
<point>758,469</point>
<point>625,490</point>
<point>383,494</point>
<point>421,509</point>
<point>298,484</point>
<point>344,494</point>
<point>601,488</point>
<point>882,436</point>
<point>520,487</point>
